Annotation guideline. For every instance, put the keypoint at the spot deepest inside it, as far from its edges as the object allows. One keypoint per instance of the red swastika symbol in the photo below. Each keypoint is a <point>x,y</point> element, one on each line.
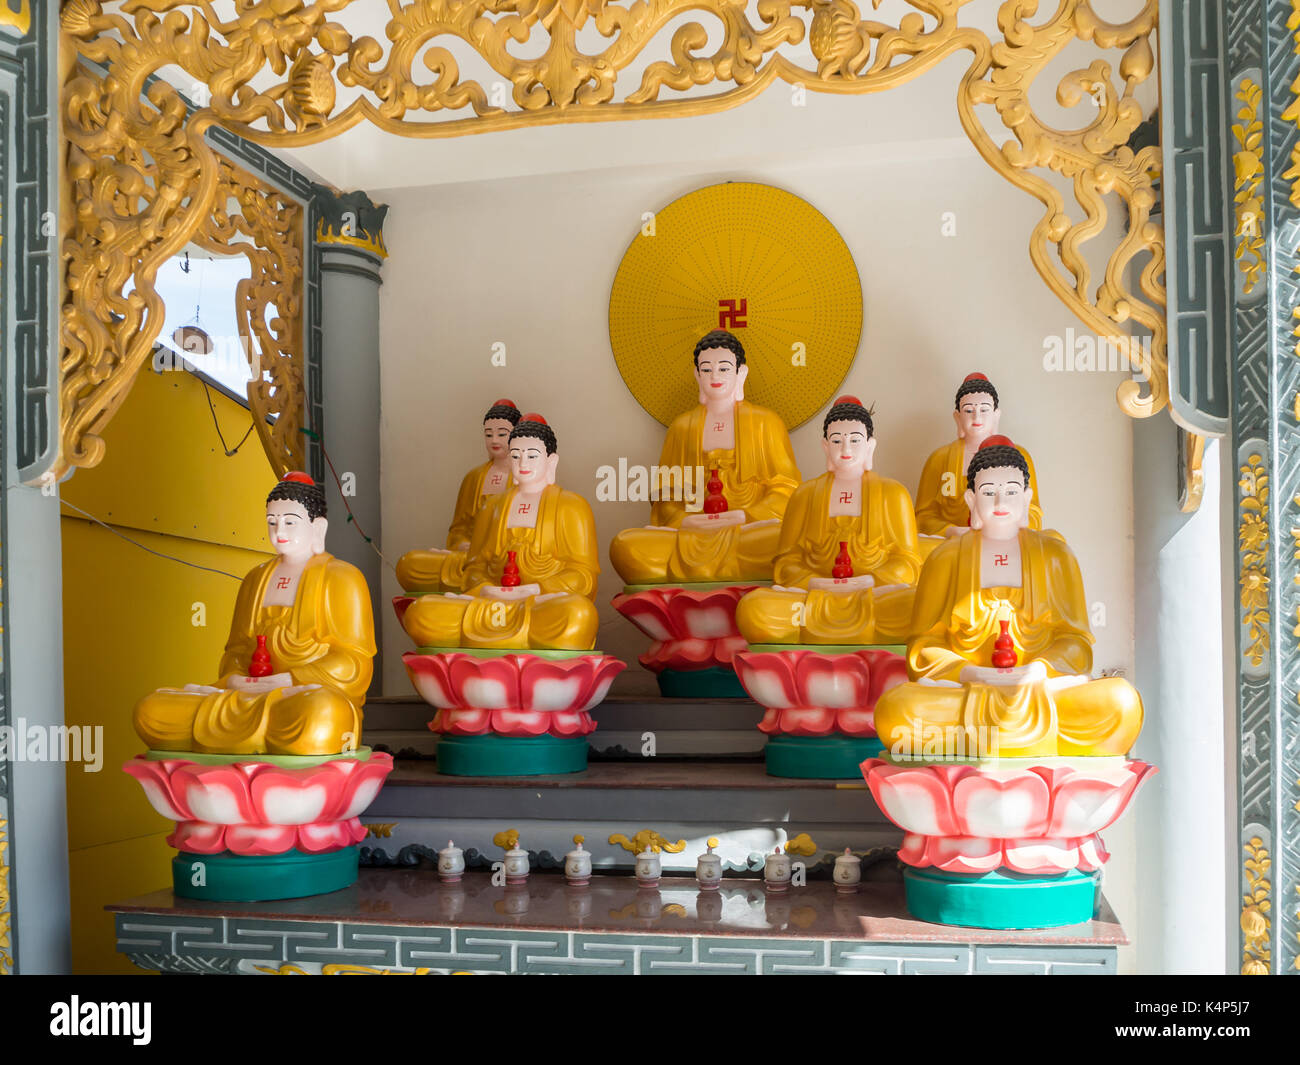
<point>846,497</point>
<point>999,560</point>
<point>496,479</point>
<point>524,508</point>
<point>731,313</point>
<point>283,582</point>
<point>718,427</point>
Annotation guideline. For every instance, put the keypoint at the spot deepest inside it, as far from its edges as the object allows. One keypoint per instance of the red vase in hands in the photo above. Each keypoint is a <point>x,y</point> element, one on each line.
<point>510,575</point>
<point>843,567</point>
<point>260,664</point>
<point>1004,648</point>
<point>715,502</point>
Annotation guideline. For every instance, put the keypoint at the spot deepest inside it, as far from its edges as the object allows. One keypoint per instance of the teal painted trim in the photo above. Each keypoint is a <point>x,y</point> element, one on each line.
<point>1002,900</point>
<point>227,877</point>
<point>711,683</point>
<point>834,757</point>
<point>511,756</point>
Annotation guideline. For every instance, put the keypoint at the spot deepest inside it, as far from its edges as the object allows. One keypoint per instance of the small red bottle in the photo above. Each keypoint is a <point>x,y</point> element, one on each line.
<point>843,567</point>
<point>260,664</point>
<point>715,502</point>
<point>1004,647</point>
<point>510,575</point>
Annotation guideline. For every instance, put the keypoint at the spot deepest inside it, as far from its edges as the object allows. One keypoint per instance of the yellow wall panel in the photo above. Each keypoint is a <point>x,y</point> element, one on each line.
<point>131,619</point>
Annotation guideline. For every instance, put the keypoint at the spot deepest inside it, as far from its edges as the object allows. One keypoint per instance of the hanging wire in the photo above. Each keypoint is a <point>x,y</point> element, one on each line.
<point>352,518</point>
<point>160,554</point>
<point>230,451</point>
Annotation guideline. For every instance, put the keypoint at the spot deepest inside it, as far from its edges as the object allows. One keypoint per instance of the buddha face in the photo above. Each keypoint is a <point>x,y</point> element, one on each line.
<point>849,450</point>
<point>999,506</point>
<point>718,377</point>
<point>496,438</point>
<point>976,418</point>
<point>533,469</point>
<point>294,535</point>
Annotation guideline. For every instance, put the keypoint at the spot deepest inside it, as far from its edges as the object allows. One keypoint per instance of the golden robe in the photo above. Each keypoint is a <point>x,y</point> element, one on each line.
<point>758,476</point>
<point>326,638</point>
<point>882,544</point>
<point>955,623</point>
<point>558,554</point>
<point>936,511</point>
<point>434,570</point>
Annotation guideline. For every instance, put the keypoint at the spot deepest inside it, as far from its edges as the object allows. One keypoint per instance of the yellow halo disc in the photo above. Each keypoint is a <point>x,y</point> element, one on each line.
<point>756,261</point>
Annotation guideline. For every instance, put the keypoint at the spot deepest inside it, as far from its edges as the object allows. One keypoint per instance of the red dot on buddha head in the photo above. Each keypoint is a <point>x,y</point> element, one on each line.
<point>533,418</point>
<point>847,399</point>
<point>506,403</point>
<point>974,377</point>
<point>298,477</point>
<point>996,441</point>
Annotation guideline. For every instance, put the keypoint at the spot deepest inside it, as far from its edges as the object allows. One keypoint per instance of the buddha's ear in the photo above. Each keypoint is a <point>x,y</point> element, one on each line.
<point>956,417</point>
<point>869,451</point>
<point>741,373</point>
<point>826,450</point>
<point>699,381</point>
<point>993,420</point>
<point>1024,518</point>
<point>552,463</point>
<point>319,527</point>
<point>976,522</point>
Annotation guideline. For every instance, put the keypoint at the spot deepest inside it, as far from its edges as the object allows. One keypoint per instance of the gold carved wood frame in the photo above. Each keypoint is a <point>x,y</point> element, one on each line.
<point>141,181</point>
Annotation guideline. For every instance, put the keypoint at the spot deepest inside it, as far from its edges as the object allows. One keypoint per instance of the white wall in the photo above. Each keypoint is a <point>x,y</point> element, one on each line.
<point>529,262</point>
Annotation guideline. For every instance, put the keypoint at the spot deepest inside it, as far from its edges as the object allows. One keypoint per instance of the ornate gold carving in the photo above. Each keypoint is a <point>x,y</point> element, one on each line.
<point>1292,112</point>
<point>507,840</point>
<point>1248,166</point>
<point>252,218</point>
<point>381,830</point>
<point>1252,540</point>
<point>141,179</point>
<point>370,242</point>
<point>1191,453</point>
<point>1255,905</point>
<point>802,844</point>
<point>21,20</point>
<point>6,945</point>
<point>647,837</point>
<point>340,969</point>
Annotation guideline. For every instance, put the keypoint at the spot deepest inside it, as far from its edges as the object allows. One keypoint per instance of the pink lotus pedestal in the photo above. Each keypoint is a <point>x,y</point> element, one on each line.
<point>1012,845</point>
<point>256,828</point>
<point>511,713</point>
<point>820,704</point>
<point>694,634</point>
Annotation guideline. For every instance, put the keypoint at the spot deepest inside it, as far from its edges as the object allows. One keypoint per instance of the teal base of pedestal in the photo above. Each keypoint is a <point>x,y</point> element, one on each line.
<point>834,757</point>
<point>1002,900</point>
<point>510,756</point>
<point>712,683</point>
<point>227,877</point>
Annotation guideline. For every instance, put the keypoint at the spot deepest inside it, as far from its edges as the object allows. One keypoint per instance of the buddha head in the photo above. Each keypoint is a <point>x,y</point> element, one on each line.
<point>720,368</point>
<point>533,456</point>
<point>997,489</point>
<point>498,422</point>
<point>848,438</point>
<point>295,517</point>
<point>976,411</point>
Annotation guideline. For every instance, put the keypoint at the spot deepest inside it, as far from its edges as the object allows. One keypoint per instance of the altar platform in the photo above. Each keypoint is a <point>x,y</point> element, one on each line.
<point>407,921</point>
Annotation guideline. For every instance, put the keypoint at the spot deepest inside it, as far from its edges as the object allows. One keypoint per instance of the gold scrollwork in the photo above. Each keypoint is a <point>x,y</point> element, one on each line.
<point>21,20</point>
<point>647,837</point>
<point>1248,168</point>
<point>141,179</point>
<point>381,829</point>
<point>371,242</point>
<point>1255,905</point>
<point>1252,540</point>
<point>6,945</point>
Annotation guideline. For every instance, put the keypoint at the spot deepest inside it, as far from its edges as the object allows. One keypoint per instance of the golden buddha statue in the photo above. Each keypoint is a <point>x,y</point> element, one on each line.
<point>849,520</point>
<point>439,570</point>
<point>750,449</point>
<point>531,565</point>
<point>311,613</point>
<point>940,498</point>
<point>1003,571</point>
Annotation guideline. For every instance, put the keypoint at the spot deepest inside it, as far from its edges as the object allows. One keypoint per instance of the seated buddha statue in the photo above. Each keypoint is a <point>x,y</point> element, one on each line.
<point>941,496</point>
<point>443,570</point>
<point>531,564</point>
<point>851,520</point>
<point>312,612</point>
<point>750,449</point>
<point>1047,704</point>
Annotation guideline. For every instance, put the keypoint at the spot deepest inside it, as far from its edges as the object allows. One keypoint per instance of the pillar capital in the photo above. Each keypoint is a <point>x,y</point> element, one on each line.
<point>348,228</point>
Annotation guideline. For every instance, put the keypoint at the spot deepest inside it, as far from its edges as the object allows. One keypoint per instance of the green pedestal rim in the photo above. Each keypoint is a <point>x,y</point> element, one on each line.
<point>696,586</point>
<point>511,756</point>
<point>550,654</point>
<point>1001,900</point>
<point>834,757</point>
<point>283,761</point>
<point>715,682</point>
<point>227,877</point>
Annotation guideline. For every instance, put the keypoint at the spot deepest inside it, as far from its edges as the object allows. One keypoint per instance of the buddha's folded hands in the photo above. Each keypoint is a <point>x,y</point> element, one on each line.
<point>1029,673</point>
<point>520,591</point>
<point>709,522</point>
<point>862,582</point>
